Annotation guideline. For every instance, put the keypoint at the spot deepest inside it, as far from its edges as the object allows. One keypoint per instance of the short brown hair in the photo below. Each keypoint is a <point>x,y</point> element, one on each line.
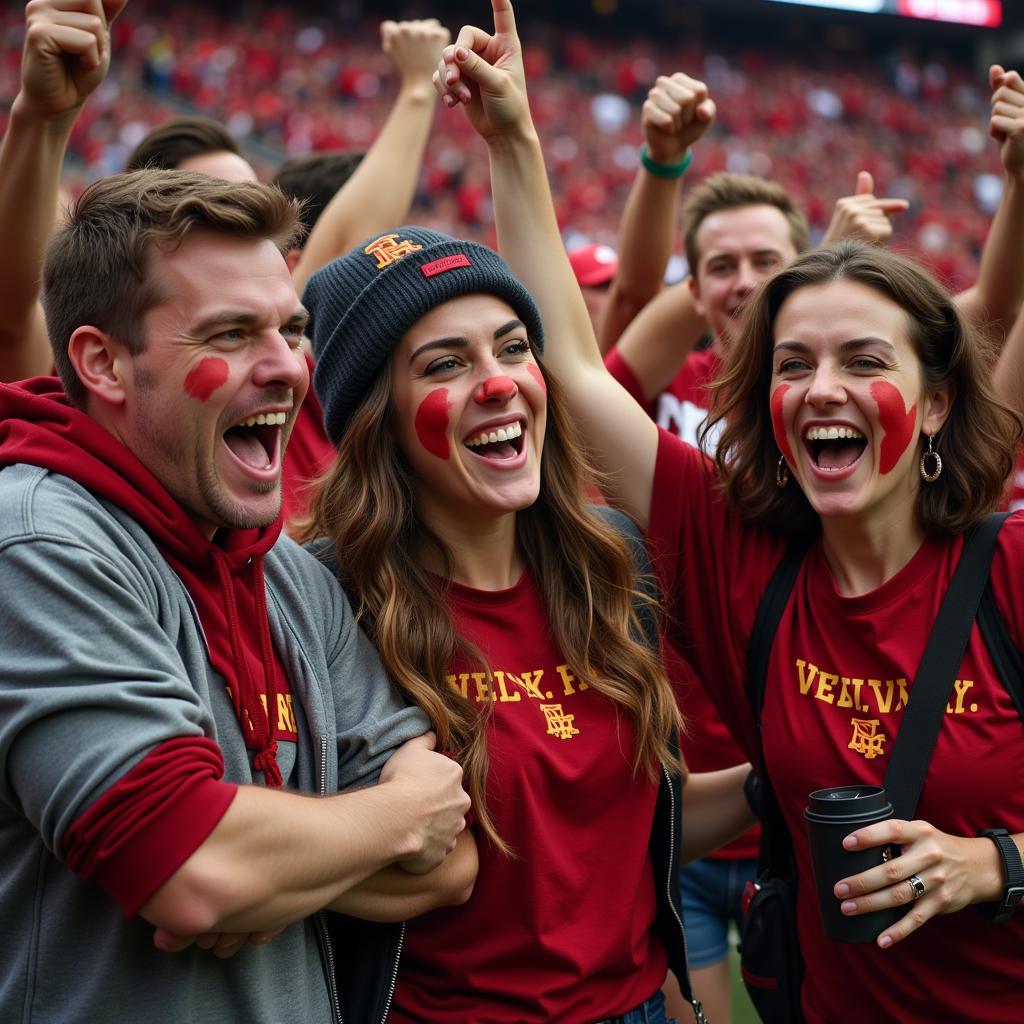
<point>977,442</point>
<point>96,269</point>
<point>315,179</point>
<point>172,143</point>
<point>725,191</point>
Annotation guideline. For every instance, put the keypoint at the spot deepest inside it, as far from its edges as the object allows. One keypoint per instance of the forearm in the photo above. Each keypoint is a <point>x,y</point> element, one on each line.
<point>1008,375</point>
<point>996,297</point>
<point>715,810</point>
<point>276,857</point>
<point>655,345</point>
<point>531,243</point>
<point>31,157</point>
<point>394,894</point>
<point>380,192</point>
<point>646,235</point>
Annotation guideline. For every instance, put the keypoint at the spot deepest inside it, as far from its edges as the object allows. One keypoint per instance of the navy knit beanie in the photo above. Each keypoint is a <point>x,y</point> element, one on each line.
<point>362,303</point>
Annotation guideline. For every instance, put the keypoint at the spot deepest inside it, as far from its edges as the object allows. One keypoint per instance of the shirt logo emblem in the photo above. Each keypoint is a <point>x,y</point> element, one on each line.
<point>867,740</point>
<point>559,723</point>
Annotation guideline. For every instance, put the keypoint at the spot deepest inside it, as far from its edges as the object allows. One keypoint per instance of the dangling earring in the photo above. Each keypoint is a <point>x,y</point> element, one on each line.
<point>936,471</point>
<point>782,473</point>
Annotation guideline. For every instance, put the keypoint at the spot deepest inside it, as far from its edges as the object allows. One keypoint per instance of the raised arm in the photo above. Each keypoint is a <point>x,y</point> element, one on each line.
<point>380,192</point>
<point>1008,375</point>
<point>66,56</point>
<point>483,72</point>
<point>675,115</point>
<point>996,297</point>
<point>655,345</point>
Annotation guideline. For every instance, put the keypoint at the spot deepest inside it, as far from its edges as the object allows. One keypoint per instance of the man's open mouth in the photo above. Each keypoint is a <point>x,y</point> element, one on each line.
<point>256,441</point>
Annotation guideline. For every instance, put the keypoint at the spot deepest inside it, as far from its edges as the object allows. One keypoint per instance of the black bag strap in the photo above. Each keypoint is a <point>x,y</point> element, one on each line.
<point>1009,664</point>
<point>766,623</point>
<point>776,850</point>
<point>919,730</point>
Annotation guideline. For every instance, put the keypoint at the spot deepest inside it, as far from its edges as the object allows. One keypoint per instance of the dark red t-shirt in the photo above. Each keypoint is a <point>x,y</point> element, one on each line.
<point>839,677</point>
<point>563,930</point>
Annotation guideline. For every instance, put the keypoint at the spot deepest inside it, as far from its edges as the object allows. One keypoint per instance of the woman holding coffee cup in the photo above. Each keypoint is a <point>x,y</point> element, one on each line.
<point>856,409</point>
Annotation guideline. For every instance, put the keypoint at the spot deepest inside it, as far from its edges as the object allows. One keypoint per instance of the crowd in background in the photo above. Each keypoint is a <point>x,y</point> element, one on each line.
<point>286,83</point>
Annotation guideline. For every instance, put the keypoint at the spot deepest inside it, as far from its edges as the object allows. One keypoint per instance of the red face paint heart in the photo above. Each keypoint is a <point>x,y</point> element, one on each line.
<point>778,425</point>
<point>897,424</point>
<point>432,423</point>
<point>204,378</point>
<point>538,376</point>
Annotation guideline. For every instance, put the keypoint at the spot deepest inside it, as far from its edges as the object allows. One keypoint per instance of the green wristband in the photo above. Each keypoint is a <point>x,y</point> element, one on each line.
<point>665,170</point>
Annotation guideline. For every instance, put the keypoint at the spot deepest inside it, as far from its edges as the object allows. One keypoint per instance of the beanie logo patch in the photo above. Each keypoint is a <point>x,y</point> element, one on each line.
<point>388,249</point>
<point>445,263</point>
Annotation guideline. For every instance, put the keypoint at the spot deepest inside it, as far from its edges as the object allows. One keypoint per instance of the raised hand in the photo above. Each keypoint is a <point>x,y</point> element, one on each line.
<point>1006,124</point>
<point>483,72</point>
<point>67,53</point>
<point>863,215</point>
<point>414,47</point>
<point>676,113</point>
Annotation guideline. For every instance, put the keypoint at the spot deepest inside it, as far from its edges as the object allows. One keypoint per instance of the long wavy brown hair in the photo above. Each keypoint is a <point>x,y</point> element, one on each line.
<point>977,443</point>
<point>582,566</point>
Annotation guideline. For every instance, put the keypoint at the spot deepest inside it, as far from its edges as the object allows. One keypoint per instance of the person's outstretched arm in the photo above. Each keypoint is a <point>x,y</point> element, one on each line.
<point>381,190</point>
<point>676,113</point>
<point>66,56</point>
<point>483,72</point>
<point>996,297</point>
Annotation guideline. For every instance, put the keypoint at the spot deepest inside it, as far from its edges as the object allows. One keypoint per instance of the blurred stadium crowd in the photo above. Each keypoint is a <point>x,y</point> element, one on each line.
<point>287,83</point>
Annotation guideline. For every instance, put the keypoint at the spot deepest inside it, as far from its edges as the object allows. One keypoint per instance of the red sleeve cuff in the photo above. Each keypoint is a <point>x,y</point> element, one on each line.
<point>142,829</point>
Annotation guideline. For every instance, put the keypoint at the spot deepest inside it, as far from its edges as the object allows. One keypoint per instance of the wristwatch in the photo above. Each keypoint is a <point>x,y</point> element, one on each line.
<point>1013,871</point>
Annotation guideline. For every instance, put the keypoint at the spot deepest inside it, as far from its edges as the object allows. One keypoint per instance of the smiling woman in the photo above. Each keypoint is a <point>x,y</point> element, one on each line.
<point>856,412</point>
<point>456,517</point>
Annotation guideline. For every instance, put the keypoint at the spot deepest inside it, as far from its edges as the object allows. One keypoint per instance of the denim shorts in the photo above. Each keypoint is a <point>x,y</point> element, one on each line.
<point>651,1011</point>
<point>710,892</point>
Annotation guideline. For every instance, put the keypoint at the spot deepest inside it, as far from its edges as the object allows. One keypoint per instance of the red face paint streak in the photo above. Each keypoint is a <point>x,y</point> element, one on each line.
<point>206,377</point>
<point>896,421</point>
<point>432,423</point>
<point>778,425</point>
<point>537,374</point>
<point>497,387</point>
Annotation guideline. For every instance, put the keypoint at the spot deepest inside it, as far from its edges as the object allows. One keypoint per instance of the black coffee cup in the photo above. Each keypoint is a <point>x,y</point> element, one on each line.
<point>831,816</point>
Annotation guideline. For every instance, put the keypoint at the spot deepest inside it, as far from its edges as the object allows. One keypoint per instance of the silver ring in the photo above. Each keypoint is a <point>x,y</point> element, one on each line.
<point>917,885</point>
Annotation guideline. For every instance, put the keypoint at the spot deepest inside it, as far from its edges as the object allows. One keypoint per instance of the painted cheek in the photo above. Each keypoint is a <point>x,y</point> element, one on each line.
<point>897,424</point>
<point>432,423</point>
<point>204,378</point>
<point>538,376</point>
<point>778,425</point>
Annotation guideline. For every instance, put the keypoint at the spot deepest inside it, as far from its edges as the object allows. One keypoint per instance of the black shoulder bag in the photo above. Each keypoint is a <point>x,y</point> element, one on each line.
<point>770,957</point>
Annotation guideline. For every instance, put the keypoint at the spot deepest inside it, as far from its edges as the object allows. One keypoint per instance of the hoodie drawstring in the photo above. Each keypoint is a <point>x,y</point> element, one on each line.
<point>254,718</point>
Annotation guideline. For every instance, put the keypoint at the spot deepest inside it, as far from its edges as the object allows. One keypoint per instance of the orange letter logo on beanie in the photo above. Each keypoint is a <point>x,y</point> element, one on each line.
<point>388,249</point>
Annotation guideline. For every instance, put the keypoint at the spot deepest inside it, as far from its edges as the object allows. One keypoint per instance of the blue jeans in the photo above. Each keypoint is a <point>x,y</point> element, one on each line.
<point>651,1011</point>
<point>710,893</point>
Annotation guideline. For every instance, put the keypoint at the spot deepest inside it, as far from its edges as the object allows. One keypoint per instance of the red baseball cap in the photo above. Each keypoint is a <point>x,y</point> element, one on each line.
<point>594,264</point>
